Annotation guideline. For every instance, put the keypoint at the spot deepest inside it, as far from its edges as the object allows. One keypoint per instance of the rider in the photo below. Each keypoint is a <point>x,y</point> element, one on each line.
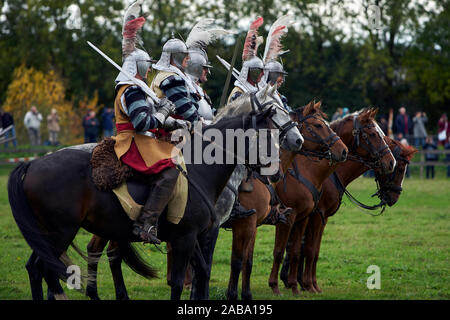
<point>139,120</point>
<point>252,67</point>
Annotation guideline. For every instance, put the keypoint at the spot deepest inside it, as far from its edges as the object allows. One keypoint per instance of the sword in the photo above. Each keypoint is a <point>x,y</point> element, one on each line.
<point>141,84</point>
<point>235,73</point>
<point>227,81</point>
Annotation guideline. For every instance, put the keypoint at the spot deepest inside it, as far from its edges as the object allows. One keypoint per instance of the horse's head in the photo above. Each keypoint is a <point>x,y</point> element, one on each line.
<point>320,139</point>
<point>268,98</point>
<point>390,185</point>
<point>365,140</point>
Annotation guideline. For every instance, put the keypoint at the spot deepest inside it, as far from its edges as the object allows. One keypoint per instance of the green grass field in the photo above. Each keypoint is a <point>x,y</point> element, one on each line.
<point>410,244</point>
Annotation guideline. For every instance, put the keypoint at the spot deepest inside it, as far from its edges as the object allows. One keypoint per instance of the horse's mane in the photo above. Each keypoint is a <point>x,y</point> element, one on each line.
<point>406,151</point>
<point>241,105</point>
<point>336,125</point>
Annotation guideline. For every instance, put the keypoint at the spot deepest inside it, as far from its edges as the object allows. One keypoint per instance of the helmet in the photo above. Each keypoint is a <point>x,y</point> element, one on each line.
<point>173,48</point>
<point>138,62</point>
<point>273,70</point>
<point>198,60</point>
<point>252,67</point>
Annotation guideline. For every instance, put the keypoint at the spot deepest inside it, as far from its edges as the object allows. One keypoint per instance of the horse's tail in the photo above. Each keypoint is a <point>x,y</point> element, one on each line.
<point>134,260</point>
<point>39,242</point>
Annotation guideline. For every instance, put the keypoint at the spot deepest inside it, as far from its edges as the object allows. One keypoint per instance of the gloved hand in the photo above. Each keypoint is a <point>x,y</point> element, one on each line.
<point>165,109</point>
<point>174,124</point>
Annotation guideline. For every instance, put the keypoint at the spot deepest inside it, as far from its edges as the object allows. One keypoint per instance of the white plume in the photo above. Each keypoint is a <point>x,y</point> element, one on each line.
<point>287,21</point>
<point>203,33</point>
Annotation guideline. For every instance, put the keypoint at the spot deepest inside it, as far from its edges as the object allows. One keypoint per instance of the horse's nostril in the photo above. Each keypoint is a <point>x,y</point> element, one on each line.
<point>299,142</point>
<point>344,153</point>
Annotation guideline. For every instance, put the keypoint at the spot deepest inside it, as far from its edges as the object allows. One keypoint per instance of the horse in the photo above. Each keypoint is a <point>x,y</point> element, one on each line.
<point>390,188</point>
<point>54,196</point>
<point>321,141</point>
<point>301,187</point>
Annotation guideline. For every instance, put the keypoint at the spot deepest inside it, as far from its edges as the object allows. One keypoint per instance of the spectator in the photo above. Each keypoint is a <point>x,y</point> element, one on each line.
<point>91,125</point>
<point>420,132</point>
<point>8,129</point>
<point>443,129</point>
<point>447,156</point>
<point>53,127</point>
<point>403,123</point>
<point>430,145</point>
<point>108,122</point>
<point>338,114</point>
<point>32,122</point>
<point>345,112</point>
<point>404,142</point>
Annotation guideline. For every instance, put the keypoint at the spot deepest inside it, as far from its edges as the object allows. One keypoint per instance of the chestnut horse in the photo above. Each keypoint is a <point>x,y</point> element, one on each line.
<point>301,188</point>
<point>390,187</point>
<point>320,140</point>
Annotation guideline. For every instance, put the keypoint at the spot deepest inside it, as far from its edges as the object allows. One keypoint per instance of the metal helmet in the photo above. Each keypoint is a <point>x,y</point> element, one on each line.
<point>173,48</point>
<point>198,60</point>
<point>138,62</point>
<point>273,69</point>
<point>252,67</point>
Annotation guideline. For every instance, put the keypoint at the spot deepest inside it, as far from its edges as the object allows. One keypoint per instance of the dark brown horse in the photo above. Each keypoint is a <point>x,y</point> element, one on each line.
<point>390,189</point>
<point>301,188</point>
<point>319,139</point>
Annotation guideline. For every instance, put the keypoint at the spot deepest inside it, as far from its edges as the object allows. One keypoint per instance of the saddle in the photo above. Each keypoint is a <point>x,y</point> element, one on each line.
<point>131,187</point>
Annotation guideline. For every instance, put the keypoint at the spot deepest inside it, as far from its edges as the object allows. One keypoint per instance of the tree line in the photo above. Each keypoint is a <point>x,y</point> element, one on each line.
<point>380,53</point>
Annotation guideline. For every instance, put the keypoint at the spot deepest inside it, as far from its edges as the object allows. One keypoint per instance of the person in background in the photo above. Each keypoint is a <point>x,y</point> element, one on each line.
<point>345,112</point>
<point>419,130</point>
<point>430,145</point>
<point>338,114</point>
<point>91,125</point>
<point>447,156</point>
<point>7,123</point>
<point>53,127</point>
<point>32,122</point>
<point>443,129</point>
<point>403,123</point>
<point>108,122</point>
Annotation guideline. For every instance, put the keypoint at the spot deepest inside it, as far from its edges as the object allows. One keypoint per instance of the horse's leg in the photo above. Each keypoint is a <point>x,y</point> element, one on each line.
<point>95,250</point>
<point>285,267</point>
<point>35,275</point>
<point>247,269</point>
<point>297,235</point>
<point>207,243</point>
<point>316,255</point>
<point>115,264</point>
<point>308,253</point>
<point>182,249</point>
<point>239,247</point>
<point>281,238</point>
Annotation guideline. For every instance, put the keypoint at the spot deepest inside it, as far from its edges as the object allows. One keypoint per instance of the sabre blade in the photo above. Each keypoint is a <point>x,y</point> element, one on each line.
<point>136,81</point>
<point>235,73</point>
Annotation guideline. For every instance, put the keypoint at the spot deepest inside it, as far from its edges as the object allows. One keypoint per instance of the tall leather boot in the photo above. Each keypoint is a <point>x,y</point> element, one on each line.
<point>145,225</point>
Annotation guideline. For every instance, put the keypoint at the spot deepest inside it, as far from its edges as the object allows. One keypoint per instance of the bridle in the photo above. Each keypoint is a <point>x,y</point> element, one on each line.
<point>388,185</point>
<point>326,143</point>
<point>375,154</point>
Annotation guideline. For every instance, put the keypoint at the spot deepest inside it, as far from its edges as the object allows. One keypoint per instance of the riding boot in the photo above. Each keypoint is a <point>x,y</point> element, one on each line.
<point>146,225</point>
<point>238,212</point>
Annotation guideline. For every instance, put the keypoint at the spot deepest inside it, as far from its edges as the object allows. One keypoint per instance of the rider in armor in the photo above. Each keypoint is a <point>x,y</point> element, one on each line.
<point>139,120</point>
<point>201,35</point>
<point>252,67</point>
<point>275,74</point>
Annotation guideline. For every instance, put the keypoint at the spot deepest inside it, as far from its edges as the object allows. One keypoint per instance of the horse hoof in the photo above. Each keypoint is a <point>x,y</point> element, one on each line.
<point>276,291</point>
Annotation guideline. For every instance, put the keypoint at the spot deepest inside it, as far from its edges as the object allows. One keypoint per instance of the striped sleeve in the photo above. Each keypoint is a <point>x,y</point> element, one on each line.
<point>175,90</point>
<point>138,110</point>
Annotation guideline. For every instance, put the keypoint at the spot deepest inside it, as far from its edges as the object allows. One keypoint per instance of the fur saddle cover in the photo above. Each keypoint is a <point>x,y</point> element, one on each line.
<point>108,172</point>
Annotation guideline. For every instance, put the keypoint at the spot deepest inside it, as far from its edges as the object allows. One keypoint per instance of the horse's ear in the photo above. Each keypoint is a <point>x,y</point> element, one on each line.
<point>309,108</point>
<point>318,105</point>
<point>374,112</point>
<point>364,115</point>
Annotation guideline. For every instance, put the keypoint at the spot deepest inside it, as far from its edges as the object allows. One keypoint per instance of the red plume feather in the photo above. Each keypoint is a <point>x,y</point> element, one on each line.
<point>252,41</point>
